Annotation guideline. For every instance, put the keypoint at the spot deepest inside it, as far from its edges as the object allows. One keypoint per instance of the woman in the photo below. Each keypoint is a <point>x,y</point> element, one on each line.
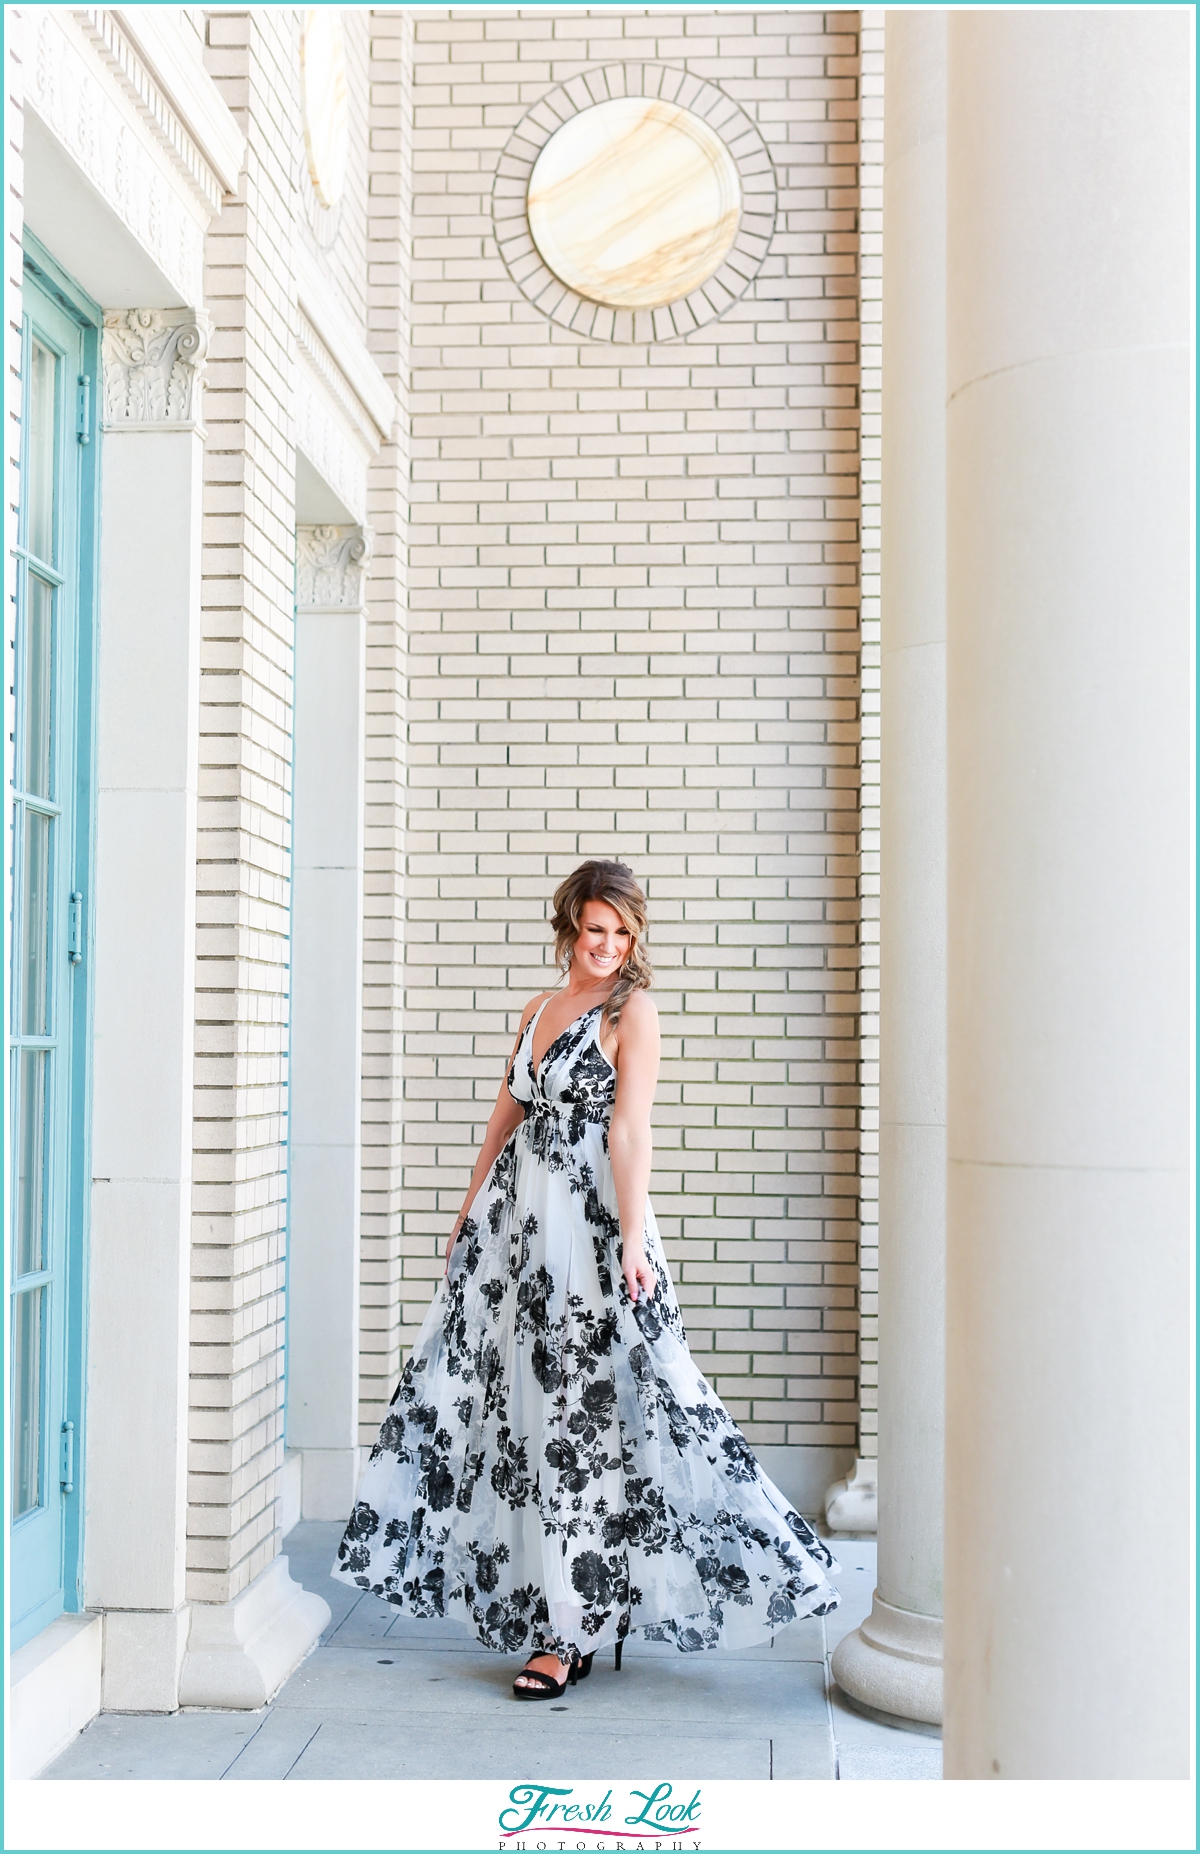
<point>553,1468</point>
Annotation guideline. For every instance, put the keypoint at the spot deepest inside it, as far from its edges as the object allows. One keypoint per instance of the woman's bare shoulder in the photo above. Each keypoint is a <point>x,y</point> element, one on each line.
<point>640,1012</point>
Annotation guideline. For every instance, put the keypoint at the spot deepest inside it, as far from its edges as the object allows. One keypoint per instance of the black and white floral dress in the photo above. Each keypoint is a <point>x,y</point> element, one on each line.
<point>553,1469</point>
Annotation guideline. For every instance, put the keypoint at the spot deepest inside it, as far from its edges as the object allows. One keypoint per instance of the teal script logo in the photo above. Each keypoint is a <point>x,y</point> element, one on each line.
<point>560,1816</point>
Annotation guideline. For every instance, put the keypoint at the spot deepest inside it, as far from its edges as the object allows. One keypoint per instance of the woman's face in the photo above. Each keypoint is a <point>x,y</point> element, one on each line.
<point>603,943</point>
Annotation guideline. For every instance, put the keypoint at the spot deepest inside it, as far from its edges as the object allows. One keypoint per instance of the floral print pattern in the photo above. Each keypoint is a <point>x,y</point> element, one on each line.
<point>553,1468</point>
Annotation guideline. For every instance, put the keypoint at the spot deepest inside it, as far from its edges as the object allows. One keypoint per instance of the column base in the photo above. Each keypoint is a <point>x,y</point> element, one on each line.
<point>143,1653</point>
<point>852,1505</point>
<point>239,1654</point>
<point>53,1691</point>
<point>898,1723</point>
<point>892,1665</point>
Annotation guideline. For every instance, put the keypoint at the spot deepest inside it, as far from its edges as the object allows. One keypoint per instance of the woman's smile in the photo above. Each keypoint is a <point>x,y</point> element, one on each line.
<point>603,943</point>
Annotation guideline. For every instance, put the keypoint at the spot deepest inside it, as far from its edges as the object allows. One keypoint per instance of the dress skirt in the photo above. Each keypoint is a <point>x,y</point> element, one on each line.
<point>553,1469</point>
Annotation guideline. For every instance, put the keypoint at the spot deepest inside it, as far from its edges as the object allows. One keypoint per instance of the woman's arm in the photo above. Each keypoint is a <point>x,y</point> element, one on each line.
<point>630,1143</point>
<point>506,1117</point>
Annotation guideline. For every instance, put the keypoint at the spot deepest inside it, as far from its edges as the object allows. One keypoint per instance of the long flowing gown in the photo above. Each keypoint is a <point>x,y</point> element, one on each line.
<point>553,1468</point>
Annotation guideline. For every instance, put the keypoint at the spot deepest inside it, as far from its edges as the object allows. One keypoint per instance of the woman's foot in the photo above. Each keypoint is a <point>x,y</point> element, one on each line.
<point>541,1664</point>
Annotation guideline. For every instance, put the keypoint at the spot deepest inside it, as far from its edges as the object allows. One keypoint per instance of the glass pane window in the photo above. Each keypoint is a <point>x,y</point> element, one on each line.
<point>27,1401</point>
<point>36,724</point>
<point>33,932</point>
<point>33,1074</point>
<point>40,536</point>
<point>51,770</point>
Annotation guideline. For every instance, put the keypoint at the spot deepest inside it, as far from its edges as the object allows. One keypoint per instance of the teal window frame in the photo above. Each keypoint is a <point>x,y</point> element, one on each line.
<point>46,1542</point>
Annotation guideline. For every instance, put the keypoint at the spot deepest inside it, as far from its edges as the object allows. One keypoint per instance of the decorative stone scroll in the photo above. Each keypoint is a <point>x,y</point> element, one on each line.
<point>153,366</point>
<point>331,564</point>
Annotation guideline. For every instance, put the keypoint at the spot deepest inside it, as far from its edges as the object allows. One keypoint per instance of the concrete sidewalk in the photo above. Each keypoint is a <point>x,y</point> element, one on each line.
<point>385,1697</point>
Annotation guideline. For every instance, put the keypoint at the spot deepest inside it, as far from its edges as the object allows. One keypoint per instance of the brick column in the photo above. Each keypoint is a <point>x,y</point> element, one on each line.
<point>851,1504</point>
<point>389,310</point>
<point>250,1622</point>
<point>893,1663</point>
<point>325,1084</point>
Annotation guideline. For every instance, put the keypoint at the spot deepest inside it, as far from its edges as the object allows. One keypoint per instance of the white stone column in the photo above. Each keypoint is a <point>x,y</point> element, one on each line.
<point>325,1086</point>
<point>144,991</point>
<point>892,1664</point>
<point>1067,1637</point>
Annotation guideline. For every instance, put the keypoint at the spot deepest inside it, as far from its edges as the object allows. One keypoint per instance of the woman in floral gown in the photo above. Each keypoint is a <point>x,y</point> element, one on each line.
<point>553,1468</point>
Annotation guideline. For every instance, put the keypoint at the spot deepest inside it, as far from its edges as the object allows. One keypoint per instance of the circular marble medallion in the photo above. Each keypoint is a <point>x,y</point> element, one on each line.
<point>634,202</point>
<point>323,100</point>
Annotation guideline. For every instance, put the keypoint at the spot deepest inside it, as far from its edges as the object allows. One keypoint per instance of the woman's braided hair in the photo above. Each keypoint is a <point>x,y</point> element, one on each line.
<point>615,884</point>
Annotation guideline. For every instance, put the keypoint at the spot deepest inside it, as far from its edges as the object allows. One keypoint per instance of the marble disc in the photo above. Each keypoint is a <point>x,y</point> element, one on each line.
<point>323,99</point>
<point>634,202</point>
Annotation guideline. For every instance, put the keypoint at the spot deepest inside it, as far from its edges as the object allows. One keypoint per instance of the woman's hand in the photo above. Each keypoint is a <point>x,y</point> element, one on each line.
<point>637,1270</point>
<point>629,1141</point>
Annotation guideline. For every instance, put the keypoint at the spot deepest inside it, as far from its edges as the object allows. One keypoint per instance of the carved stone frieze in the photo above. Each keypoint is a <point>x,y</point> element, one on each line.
<point>78,86</point>
<point>324,434</point>
<point>153,366</point>
<point>331,565</point>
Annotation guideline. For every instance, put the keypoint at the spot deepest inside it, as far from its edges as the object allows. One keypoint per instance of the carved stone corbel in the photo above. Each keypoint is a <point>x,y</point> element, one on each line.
<point>331,564</point>
<point>153,366</point>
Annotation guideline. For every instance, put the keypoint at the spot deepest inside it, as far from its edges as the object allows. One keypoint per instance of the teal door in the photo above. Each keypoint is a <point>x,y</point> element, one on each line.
<point>51,748</point>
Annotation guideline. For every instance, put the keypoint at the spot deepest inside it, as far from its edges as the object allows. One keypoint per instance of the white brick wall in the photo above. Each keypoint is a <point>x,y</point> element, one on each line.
<point>244,822</point>
<point>633,631</point>
<point>614,609</point>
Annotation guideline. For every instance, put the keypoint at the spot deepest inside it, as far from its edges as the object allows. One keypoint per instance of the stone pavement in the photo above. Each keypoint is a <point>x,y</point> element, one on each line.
<point>385,1697</point>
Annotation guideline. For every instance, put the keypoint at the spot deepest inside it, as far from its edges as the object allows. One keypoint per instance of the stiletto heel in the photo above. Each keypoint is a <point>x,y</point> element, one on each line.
<point>585,1665</point>
<point>571,1677</point>
<point>617,1668</point>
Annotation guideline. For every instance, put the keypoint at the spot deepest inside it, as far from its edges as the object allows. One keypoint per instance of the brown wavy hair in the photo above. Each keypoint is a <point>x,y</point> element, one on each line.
<point>614,883</point>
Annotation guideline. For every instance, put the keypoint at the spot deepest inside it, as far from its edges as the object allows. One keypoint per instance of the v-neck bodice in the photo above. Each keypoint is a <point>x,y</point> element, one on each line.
<point>536,1065</point>
<point>574,1075</point>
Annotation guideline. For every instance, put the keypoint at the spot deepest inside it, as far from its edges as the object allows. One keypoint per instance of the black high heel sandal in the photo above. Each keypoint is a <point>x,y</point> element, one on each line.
<point>548,1687</point>
<point>584,1666</point>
